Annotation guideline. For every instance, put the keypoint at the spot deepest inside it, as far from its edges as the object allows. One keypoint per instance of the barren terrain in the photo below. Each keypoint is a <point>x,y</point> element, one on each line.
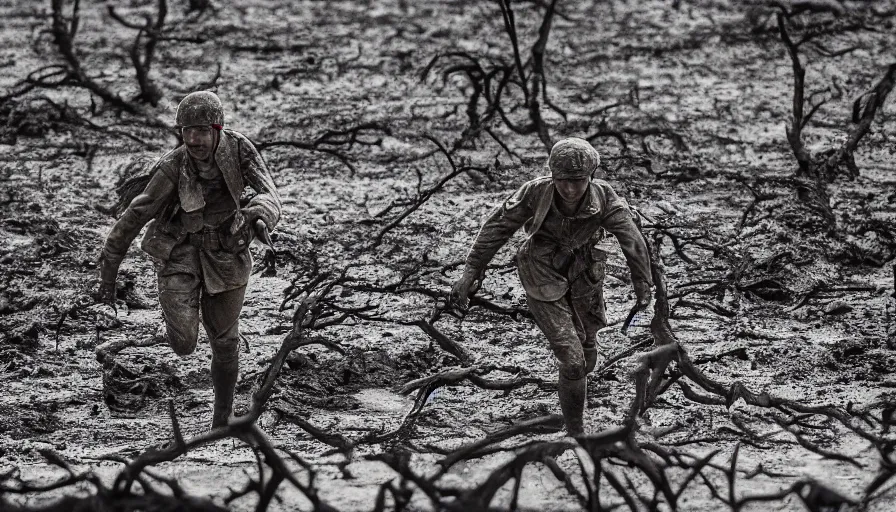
<point>387,159</point>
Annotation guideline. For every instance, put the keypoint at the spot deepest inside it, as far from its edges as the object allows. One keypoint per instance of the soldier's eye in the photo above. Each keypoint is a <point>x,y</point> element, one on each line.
<point>196,130</point>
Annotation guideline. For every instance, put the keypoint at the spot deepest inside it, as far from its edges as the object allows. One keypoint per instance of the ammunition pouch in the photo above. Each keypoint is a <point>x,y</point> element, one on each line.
<point>597,270</point>
<point>159,242</point>
<point>234,242</point>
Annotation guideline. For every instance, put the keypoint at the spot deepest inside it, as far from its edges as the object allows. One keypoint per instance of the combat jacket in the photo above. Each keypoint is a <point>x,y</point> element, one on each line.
<point>173,192</point>
<point>558,250</point>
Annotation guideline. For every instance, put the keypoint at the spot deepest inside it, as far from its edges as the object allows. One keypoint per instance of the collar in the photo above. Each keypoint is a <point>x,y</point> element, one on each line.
<point>226,157</point>
<point>189,190</point>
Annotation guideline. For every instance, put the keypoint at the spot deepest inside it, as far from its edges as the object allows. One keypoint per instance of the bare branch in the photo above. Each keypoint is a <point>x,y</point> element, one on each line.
<point>63,35</point>
<point>862,117</point>
<point>794,130</point>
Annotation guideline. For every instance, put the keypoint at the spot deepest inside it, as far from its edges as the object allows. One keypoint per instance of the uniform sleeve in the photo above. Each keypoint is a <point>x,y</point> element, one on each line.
<point>266,203</point>
<point>500,225</point>
<point>142,209</point>
<point>618,221</point>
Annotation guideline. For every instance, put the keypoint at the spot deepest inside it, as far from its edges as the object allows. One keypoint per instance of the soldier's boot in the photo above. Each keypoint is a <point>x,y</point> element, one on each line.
<point>225,370</point>
<point>572,404</point>
<point>590,358</point>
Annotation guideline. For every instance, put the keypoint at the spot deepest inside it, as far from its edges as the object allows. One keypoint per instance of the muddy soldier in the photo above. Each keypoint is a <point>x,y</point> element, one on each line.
<point>198,235</point>
<point>562,271</point>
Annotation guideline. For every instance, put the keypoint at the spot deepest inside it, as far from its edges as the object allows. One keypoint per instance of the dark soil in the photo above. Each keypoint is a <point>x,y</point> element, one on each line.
<point>800,311</point>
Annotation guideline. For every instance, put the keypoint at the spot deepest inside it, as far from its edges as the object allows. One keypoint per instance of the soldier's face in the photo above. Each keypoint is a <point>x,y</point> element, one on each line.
<point>572,190</point>
<point>200,141</point>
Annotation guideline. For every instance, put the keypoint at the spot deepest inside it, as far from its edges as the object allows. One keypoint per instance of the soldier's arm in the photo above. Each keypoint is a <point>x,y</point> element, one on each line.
<point>266,204</point>
<point>497,229</point>
<point>618,220</point>
<point>142,209</point>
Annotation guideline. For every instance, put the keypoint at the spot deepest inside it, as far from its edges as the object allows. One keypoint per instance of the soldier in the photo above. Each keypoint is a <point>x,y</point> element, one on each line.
<point>198,236</point>
<point>559,266</point>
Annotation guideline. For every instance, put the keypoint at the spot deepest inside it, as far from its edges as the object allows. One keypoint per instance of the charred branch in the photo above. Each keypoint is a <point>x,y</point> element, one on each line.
<point>480,497</point>
<point>423,195</point>
<point>63,35</point>
<point>244,428</point>
<point>102,497</point>
<point>493,82</point>
<point>864,110</point>
<point>142,53</point>
<point>542,424</point>
<point>330,141</point>
<point>797,122</point>
<point>818,171</point>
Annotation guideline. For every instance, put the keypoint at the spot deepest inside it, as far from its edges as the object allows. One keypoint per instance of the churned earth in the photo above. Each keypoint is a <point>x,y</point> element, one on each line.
<point>796,312</point>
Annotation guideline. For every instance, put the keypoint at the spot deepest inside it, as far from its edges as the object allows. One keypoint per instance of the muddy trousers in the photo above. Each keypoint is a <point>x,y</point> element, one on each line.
<point>570,325</point>
<point>184,302</point>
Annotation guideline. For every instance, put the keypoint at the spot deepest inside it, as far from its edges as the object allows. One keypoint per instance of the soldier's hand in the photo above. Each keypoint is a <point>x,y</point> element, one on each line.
<point>252,217</point>
<point>642,294</point>
<point>268,263</point>
<point>105,293</point>
<point>459,299</point>
<point>108,275</point>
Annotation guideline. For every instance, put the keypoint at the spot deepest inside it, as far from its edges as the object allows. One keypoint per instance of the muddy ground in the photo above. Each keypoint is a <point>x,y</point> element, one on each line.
<point>805,314</point>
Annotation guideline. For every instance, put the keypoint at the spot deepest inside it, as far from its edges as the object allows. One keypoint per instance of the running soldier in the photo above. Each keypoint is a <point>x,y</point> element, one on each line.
<point>198,235</point>
<point>561,270</point>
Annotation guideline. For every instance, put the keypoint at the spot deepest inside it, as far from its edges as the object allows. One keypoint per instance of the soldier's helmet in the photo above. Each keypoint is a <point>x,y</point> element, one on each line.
<point>573,158</point>
<point>200,108</point>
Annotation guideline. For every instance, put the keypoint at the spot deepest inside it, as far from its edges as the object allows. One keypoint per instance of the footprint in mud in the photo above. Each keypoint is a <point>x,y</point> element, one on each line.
<point>21,423</point>
<point>126,390</point>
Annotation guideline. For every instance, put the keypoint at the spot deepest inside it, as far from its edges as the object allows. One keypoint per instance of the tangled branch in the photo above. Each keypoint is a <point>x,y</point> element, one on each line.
<point>142,61</point>
<point>64,33</point>
<point>621,445</point>
<point>330,141</point>
<point>494,81</point>
<point>423,195</point>
<point>821,170</point>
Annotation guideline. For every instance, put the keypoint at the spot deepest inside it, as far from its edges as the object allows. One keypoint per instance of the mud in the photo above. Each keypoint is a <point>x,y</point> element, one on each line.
<point>804,314</point>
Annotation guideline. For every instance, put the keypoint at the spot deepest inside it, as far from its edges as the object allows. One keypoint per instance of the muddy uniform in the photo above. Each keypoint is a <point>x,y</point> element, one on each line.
<point>559,267</point>
<point>199,238</point>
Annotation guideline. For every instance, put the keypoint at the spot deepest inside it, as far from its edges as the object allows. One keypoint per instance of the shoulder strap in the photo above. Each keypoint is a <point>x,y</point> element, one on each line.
<point>133,180</point>
<point>542,206</point>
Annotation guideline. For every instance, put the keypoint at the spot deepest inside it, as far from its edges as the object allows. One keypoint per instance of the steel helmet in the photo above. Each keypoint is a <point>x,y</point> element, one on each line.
<point>200,108</point>
<point>573,158</point>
